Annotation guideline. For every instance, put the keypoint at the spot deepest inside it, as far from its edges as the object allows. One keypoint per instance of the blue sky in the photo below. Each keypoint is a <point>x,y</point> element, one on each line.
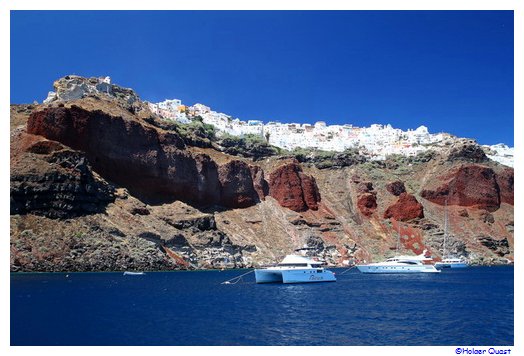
<point>449,70</point>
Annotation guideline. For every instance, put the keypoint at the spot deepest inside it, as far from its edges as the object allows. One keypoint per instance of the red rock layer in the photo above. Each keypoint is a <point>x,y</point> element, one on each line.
<point>505,181</point>
<point>293,189</point>
<point>367,203</point>
<point>470,185</point>
<point>406,208</point>
<point>150,162</point>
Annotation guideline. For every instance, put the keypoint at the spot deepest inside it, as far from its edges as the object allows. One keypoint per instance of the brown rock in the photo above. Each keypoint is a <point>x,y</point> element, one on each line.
<point>60,184</point>
<point>487,217</point>
<point>293,189</point>
<point>148,161</point>
<point>464,213</point>
<point>396,188</point>
<point>260,184</point>
<point>505,181</point>
<point>45,147</point>
<point>466,150</point>
<point>367,203</point>
<point>365,187</point>
<point>406,208</point>
<point>310,191</point>
<point>469,185</point>
<point>237,190</point>
<point>208,185</point>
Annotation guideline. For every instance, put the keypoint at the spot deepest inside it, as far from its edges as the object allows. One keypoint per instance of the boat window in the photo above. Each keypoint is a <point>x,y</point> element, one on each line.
<point>410,262</point>
<point>316,265</point>
<point>293,264</point>
<point>319,271</point>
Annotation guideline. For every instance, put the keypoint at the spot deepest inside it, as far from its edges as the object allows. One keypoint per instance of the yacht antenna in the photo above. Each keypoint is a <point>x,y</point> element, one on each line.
<point>444,252</point>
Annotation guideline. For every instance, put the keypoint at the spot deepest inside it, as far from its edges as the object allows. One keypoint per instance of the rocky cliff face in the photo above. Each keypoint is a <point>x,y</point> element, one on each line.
<point>293,189</point>
<point>237,187</point>
<point>152,163</point>
<point>473,186</point>
<point>61,185</point>
<point>405,208</point>
<point>96,186</point>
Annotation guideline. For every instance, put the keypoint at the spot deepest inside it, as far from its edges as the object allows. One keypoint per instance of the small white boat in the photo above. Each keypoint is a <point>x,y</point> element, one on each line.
<point>294,269</point>
<point>447,260</point>
<point>451,262</point>
<point>400,264</point>
<point>129,273</point>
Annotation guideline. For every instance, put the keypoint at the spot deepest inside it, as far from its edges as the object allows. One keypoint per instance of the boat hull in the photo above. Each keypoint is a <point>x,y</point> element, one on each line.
<point>265,276</point>
<point>397,269</point>
<point>441,265</point>
<point>293,276</point>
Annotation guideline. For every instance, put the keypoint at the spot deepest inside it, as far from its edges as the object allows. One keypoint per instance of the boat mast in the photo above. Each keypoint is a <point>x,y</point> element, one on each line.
<point>444,253</point>
<point>398,238</point>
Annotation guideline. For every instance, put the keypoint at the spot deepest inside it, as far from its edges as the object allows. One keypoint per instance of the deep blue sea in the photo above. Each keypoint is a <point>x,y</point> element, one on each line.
<point>473,306</point>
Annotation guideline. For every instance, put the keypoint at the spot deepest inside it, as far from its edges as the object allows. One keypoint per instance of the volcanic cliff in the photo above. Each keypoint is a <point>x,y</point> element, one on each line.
<point>99,182</point>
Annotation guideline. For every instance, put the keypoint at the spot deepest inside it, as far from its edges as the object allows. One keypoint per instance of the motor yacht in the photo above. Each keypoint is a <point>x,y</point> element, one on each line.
<point>451,262</point>
<point>400,264</point>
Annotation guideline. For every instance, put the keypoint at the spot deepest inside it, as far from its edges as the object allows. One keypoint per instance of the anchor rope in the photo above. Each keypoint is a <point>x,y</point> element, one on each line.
<point>347,270</point>
<point>237,278</point>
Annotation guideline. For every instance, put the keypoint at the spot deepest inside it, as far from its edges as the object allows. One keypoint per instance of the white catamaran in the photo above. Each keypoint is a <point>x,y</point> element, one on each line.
<point>294,269</point>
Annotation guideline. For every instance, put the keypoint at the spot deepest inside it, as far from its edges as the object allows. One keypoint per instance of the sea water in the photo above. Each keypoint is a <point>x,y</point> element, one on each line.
<point>472,306</point>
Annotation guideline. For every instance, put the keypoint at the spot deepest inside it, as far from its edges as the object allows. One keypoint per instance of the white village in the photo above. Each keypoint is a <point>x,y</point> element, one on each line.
<point>375,142</point>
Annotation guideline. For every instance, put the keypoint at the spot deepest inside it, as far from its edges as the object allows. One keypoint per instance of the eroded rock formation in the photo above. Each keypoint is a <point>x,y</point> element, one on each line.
<point>62,185</point>
<point>396,187</point>
<point>405,208</point>
<point>294,189</point>
<point>469,185</point>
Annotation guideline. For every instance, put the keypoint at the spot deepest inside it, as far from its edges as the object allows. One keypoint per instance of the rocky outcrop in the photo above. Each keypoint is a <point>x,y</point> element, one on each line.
<point>469,185</point>
<point>56,182</point>
<point>498,246</point>
<point>365,187</point>
<point>367,197</point>
<point>74,87</point>
<point>466,150</point>
<point>396,188</point>
<point>237,189</point>
<point>148,161</point>
<point>294,189</point>
<point>406,208</point>
<point>260,184</point>
<point>200,244</point>
<point>367,203</point>
<point>205,173</point>
<point>505,181</point>
<point>326,160</point>
<point>39,244</point>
